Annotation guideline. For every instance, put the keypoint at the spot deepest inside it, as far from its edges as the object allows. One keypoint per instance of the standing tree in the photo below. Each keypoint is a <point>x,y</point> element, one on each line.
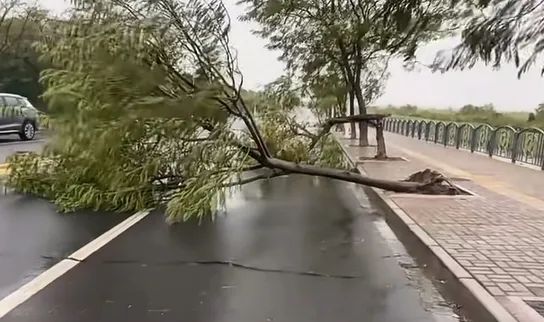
<point>346,35</point>
<point>20,28</point>
<point>10,11</point>
<point>149,110</point>
<point>327,94</point>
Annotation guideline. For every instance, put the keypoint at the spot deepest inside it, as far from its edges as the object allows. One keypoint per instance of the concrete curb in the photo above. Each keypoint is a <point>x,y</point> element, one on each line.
<point>459,283</point>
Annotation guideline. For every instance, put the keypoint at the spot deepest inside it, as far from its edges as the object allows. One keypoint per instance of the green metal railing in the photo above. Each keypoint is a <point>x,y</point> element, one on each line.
<point>518,145</point>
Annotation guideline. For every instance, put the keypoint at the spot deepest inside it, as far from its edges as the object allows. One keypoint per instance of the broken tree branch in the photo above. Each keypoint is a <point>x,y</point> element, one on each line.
<point>268,175</point>
<point>349,176</point>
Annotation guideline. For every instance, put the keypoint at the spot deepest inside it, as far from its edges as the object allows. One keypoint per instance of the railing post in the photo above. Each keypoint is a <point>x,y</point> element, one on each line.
<point>473,140</point>
<point>515,146</point>
<point>491,143</point>
<point>458,138</point>
<point>446,133</point>
<point>542,154</point>
<point>427,129</point>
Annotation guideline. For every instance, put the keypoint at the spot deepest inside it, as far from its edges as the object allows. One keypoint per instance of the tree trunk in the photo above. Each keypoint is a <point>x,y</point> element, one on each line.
<point>363,134</point>
<point>381,152</point>
<point>336,113</point>
<point>363,127</point>
<point>353,134</point>
<point>341,111</point>
<point>356,86</point>
<point>406,186</point>
<point>350,176</point>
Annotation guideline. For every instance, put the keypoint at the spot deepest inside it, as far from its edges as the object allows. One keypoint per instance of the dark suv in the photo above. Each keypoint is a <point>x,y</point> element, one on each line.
<point>18,116</point>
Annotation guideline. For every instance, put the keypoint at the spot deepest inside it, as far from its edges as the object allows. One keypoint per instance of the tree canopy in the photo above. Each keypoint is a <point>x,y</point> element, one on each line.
<point>20,28</point>
<point>350,39</point>
<point>149,110</point>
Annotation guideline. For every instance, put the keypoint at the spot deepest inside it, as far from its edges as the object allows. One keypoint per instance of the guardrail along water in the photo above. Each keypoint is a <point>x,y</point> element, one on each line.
<point>518,145</point>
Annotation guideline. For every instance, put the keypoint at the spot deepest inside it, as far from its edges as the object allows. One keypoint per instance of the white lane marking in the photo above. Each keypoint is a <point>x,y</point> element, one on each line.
<point>23,143</point>
<point>41,281</point>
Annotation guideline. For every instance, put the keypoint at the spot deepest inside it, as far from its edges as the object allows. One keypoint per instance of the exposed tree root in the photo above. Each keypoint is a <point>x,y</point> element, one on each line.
<point>433,183</point>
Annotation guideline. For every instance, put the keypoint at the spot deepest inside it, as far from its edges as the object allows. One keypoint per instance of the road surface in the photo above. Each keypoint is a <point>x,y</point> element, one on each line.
<point>291,249</point>
<point>34,237</point>
<point>10,144</point>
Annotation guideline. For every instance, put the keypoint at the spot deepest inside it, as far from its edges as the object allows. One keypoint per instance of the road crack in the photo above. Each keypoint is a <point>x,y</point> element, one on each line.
<point>238,265</point>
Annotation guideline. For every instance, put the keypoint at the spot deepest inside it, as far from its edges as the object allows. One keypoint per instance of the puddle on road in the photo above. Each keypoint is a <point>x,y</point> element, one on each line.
<point>432,300</point>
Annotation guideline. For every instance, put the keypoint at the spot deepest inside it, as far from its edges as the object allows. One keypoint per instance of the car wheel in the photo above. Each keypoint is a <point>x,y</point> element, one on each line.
<point>28,131</point>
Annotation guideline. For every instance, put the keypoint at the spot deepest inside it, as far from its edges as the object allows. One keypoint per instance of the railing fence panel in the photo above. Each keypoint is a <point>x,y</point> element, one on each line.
<point>518,145</point>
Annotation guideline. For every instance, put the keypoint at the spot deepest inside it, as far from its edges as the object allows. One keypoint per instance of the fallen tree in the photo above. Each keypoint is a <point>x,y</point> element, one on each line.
<point>149,110</point>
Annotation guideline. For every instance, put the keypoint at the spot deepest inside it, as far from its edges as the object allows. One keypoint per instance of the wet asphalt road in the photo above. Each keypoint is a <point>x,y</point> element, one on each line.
<point>10,144</point>
<point>34,237</point>
<point>291,249</point>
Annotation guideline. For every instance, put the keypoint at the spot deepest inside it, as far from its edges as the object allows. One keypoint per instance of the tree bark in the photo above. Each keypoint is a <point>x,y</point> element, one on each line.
<point>340,111</point>
<point>353,134</point>
<point>381,152</point>
<point>363,134</point>
<point>358,69</point>
<point>363,127</point>
<point>348,176</point>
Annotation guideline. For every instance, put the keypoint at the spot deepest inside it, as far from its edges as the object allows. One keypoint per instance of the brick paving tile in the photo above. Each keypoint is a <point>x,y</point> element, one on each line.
<point>505,287</point>
<point>538,291</point>
<point>523,279</point>
<point>497,239</point>
<point>495,291</point>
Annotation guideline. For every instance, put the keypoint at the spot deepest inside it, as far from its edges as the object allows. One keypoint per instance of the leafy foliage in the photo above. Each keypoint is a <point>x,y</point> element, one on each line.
<point>348,41</point>
<point>129,125</point>
<point>351,29</point>
<point>144,106</point>
<point>499,31</point>
<point>148,110</point>
<point>289,138</point>
<point>20,28</point>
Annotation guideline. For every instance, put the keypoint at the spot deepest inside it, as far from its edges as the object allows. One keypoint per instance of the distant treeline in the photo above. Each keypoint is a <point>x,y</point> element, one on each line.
<point>471,114</point>
<point>21,28</point>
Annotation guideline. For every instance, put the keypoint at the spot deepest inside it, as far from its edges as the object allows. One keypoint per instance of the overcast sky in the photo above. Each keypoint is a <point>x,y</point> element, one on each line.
<point>480,85</point>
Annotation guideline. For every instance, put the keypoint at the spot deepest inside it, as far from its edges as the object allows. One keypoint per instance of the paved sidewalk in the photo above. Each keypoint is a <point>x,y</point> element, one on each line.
<point>497,235</point>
